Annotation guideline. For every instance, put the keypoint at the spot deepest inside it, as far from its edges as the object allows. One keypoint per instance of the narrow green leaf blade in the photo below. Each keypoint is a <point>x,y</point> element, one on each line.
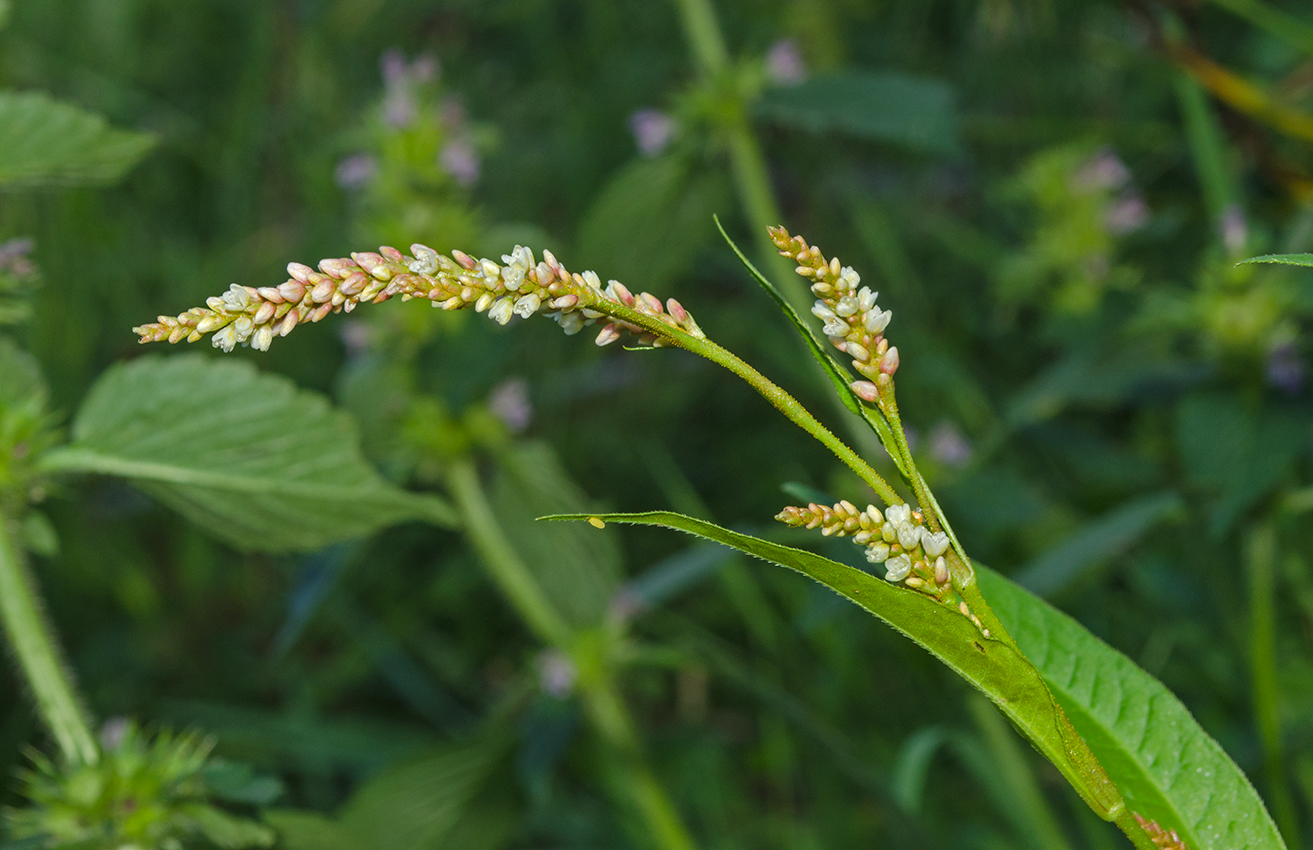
<point>992,666</point>
<point>839,377</point>
<point>1166,765</point>
<point>44,142</point>
<point>914,112</point>
<point>249,457</point>
<point>1281,259</point>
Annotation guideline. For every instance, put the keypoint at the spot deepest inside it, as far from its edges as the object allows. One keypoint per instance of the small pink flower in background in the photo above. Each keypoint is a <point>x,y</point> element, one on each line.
<point>14,259</point>
<point>556,673</point>
<point>948,446</point>
<point>1126,215</point>
<point>653,130</point>
<point>1104,170</point>
<point>1285,369</point>
<point>509,402</point>
<point>459,159</point>
<point>355,171</point>
<point>1234,229</point>
<point>784,64</point>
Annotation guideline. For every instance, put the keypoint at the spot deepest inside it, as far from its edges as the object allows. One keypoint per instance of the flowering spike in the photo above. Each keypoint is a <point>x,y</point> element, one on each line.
<point>250,316</point>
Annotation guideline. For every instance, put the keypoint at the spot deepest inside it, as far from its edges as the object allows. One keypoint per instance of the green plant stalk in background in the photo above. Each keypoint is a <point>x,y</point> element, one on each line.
<point>1261,554</point>
<point>596,684</point>
<point>38,654</point>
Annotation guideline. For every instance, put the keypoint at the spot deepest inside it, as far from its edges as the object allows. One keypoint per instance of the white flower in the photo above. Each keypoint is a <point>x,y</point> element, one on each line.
<point>225,339</point>
<point>502,311</point>
<point>236,298</point>
<point>836,328</point>
<point>877,320</point>
<point>846,307</point>
<point>512,275</point>
<point>263,337</point>
<point>848,278</point>
<point>527,305</point>
<point>571,323</point>
<point>909,535</point>
<point>897,568</point>
<point>426,259</point>
<point>822,311</point>
<point>877,553</point>
<point>935,544</point>
<point>593,281</point>
<point>897,514</point>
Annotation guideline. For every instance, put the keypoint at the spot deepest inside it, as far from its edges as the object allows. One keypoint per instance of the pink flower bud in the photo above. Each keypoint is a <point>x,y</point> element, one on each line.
<point>299,271</point>
<point>677,310</point>
<point>865,390</point>
<point>889,362</point>
<point>465,259</point>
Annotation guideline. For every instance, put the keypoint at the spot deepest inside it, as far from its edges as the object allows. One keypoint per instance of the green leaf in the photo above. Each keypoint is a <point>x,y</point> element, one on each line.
<point>250,457</point>
<point>44,142</point>
<point>648,223</point>
<point>578,571</point>
<point>1166,765</point>
<point>993,666</point>
<point>839,377</point>
<point>1282,259</point>
<point>915,112</point>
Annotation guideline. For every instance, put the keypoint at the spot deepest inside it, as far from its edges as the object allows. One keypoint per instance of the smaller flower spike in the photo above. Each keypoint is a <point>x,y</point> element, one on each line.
<point>520,286</point>
<point>854,323</point>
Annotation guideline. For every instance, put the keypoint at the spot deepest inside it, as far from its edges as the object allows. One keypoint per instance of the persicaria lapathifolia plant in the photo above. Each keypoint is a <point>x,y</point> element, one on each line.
<point>929,590</point>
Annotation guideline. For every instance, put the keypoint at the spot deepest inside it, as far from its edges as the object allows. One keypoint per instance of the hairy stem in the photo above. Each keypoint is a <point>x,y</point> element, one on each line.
<point>36,649</point>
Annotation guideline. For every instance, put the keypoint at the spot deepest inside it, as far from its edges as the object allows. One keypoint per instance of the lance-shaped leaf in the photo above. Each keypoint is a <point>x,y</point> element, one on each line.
<point>993,666</point>
<point>1164,763</point>
<point>44,142</point>
<point>250,457</point>
<point>1281,259</point>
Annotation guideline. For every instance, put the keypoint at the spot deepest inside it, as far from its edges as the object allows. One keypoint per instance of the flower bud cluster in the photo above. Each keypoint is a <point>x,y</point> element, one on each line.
<point>520,286</point>
<point>898,538</point>
<point>854,323</point>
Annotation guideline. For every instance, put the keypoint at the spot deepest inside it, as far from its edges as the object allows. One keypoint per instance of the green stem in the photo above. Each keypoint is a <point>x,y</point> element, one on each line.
<point>1127,823</point>
<point>37,652</point>
<point>776,395</point>
<point>605,707</point>
<point>510,573</point>
<point>1261,555</point>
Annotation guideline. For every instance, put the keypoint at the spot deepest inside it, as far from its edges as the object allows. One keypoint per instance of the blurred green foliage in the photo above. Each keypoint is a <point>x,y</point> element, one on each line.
<point>1048,195</point>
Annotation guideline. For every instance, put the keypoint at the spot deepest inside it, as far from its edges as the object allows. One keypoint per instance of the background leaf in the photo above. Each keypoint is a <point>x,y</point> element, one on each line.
<point>256,461</point>
<point>888,106</point>
<point>44,142</point>
<point>1165,764</point>
<point>1282,259</point>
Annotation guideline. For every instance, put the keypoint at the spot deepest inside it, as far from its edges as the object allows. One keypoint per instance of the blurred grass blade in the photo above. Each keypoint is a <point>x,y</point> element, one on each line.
<point>1274,21</point>
<point>1165,764</point>
<point>44,142</point>
<point>577,571</point>
<point>913,766</point>
<point>914,112</point>
<point>992,666</point>
<point>839,377</point>
<point>1057,568</point>
<point>249,457</point>
<point>1282,259</point>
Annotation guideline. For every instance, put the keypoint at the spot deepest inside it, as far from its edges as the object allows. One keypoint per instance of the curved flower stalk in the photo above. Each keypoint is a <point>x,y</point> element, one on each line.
<point>253,316</point>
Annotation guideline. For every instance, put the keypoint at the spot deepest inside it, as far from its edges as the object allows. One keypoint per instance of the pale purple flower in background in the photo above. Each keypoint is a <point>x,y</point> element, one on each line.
<point>653,130</point>
<point>556,673</point>
<point>425,68</point>
<point>1285,369</point>
<point>399,81</point>
<point>113,732</point>
<point>784,65</point>
<point>392,64</point>
<point>399,107</point>
<point>13,256</point>
<point>1126,215</point>
<point>452,113</point>
<point>355,171</point>
<point>357,336</point>
<point>459,159</point>
<point>509,402</point>
<point>948,446</point>
<point>1104,170</point>
<point>1234,229</point>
